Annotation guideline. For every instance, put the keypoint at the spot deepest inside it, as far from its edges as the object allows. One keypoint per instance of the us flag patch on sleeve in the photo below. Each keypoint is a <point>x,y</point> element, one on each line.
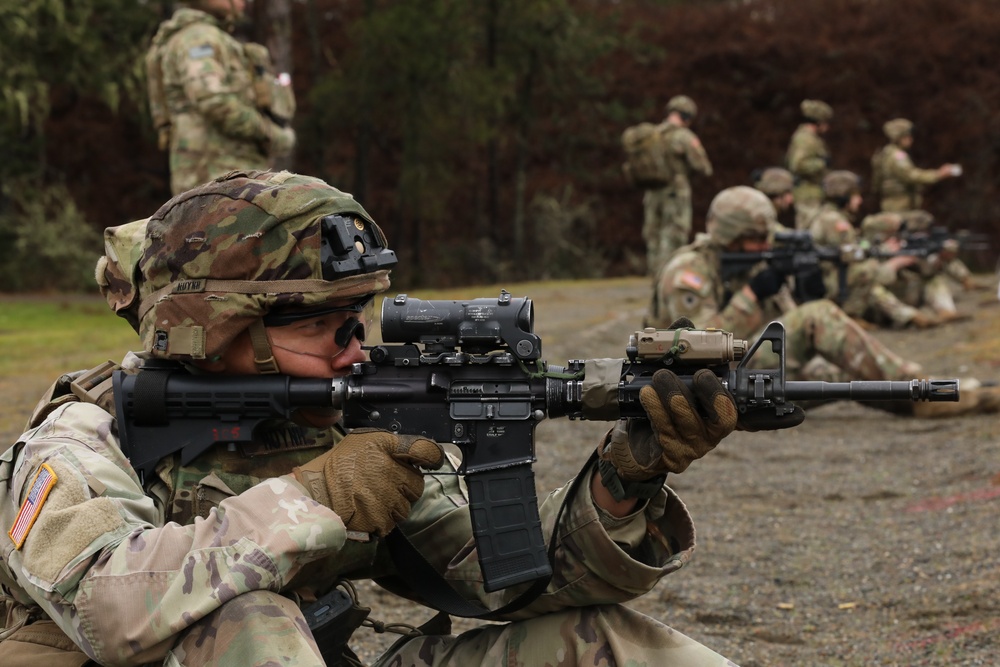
<point>692,280</point>
<point>45,479</point>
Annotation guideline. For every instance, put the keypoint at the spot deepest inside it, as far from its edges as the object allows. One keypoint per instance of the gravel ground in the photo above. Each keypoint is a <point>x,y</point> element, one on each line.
<point>858,538</point>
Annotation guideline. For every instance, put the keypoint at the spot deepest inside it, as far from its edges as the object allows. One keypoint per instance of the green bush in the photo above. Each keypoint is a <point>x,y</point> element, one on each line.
<point>45,243</point>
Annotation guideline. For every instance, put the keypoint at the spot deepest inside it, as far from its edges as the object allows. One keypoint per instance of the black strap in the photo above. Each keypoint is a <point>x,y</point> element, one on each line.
<point>437,593</point>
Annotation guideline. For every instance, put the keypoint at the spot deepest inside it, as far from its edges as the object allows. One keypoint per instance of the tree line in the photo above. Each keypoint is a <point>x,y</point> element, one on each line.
<point>483,134</point>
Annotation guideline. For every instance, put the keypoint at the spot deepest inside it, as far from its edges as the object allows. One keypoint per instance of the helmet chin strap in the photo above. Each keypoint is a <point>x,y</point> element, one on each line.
<point>263,352</point>
<point>263,355</point>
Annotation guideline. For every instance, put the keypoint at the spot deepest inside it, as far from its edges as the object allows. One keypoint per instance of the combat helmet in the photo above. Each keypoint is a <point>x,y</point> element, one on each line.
<point>841,184</point>
<point>897,128</point>
<point>218,259</point>
<point>739,211</point>
<point>682,104</point>
<point>774,181</point>
<point>816,111</point>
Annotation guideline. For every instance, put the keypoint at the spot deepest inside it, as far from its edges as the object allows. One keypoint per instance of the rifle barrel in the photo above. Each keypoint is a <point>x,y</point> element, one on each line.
<point>909,390</point>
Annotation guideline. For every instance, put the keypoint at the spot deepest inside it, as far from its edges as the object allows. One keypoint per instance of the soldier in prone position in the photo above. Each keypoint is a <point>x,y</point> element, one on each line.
<point>207,561</point>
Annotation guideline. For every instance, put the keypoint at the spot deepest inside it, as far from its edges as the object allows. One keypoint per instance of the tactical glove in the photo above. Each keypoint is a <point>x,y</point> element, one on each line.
<point>370,478</point>
<point>766,283</point>
<point>684,424</point>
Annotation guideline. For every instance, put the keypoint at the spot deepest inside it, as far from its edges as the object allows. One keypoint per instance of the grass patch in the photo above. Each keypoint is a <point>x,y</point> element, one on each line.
<point>50,336</point>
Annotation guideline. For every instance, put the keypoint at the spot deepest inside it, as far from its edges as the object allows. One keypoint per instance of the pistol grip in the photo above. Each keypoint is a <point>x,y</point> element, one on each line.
<point>507,527</point>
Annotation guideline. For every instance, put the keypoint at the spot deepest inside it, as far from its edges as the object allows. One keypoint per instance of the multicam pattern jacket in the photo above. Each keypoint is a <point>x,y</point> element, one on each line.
<point>124,569</point>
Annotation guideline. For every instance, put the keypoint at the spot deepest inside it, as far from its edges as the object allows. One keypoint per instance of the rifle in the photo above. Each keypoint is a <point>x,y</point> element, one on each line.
<point>924,244</point>
<point>469,373</point>
<point>796,254</point>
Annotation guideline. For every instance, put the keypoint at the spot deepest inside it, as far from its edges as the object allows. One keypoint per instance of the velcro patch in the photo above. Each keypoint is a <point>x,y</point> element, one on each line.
<point>900,155</point>
<point>202,51</point>
<point>45,479</point>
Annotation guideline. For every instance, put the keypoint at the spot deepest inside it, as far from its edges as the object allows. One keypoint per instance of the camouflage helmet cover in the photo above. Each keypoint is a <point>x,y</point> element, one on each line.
<point>917,220</point>
<point>739,211</point>
<point>682,104</point>
<point>215,259</point>
<point>775,181</point>
<point>897,128</point>
<point>841,183</point>
<point>881,224</point>
<point>816,110</point>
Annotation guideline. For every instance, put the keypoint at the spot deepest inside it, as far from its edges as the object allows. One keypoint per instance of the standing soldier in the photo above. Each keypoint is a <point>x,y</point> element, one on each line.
<point>216,103</point>
<point>808,159</point>
<point>894,178</point>
<point>667,220</point>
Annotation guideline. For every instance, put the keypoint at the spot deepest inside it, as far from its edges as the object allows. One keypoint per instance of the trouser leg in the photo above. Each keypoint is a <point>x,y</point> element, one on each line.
<point>601,636</point>
<point>255,629</point>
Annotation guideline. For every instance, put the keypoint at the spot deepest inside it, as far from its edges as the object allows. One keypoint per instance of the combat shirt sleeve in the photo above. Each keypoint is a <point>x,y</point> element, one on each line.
<point>99,559</point>
<point>216,82</point>
<point>686,288</point>
<point>599,560</point>
<point>901,167</point>
<point>694,153</point>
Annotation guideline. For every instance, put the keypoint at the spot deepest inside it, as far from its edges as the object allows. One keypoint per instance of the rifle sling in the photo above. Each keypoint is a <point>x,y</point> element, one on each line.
<point>437,593</point>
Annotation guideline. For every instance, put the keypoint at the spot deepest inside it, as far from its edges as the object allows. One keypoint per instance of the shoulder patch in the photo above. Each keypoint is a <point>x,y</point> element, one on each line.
<point>44,480</point>
<point>695,142</point>
<point>201,51</point>
<point>691,279</point>
<point>843,225</point>
<point>899,154</point>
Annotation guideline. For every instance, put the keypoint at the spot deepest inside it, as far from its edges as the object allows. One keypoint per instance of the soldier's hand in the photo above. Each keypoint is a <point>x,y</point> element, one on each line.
<point>282,141</point>
<point>684,425</point>
<point>766,283</point>
<point>370,478</point>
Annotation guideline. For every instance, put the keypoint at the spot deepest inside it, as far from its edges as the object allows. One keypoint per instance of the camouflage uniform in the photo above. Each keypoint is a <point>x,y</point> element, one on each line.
<point>201,564</point>
<point>215,101</point>
<point>691,285</point>
<point>919,282</point>
<point>808,159</point>
<point>667,210</point>
<point>832,227</point>
<point>899,183</point>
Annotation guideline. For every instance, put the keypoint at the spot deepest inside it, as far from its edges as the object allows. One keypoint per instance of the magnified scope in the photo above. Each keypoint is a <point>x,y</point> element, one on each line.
<point>478,326</point>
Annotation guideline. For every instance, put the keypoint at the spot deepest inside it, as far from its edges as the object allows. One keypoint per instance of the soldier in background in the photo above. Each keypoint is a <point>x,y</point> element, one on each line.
<point>822,342</point>
<point>833,227</point>
<point>777,183</point>
<point>808,158</point>
<point>667,210</point>
<point>217,104</point>
<point>923,282</point>
<point>895,180</point>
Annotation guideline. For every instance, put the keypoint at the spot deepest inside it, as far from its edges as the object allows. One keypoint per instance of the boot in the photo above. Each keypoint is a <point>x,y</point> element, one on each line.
<point>922,320</point>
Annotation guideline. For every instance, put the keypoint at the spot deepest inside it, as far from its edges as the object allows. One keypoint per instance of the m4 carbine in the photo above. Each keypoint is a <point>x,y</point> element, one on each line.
<point>795,254</point>
<point>470,373</point>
